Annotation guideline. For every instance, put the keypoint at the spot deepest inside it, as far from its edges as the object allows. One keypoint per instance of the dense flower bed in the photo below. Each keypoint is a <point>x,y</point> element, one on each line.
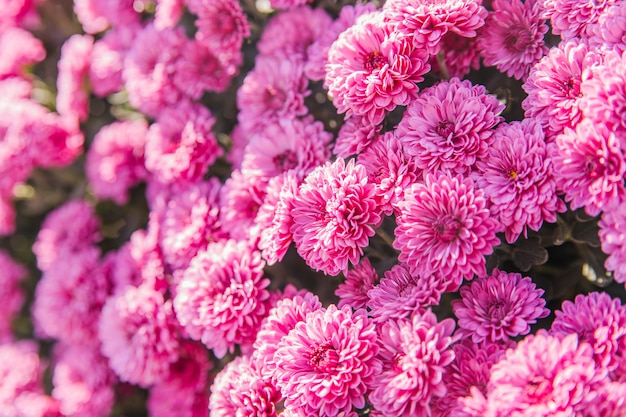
<point>300,208</point>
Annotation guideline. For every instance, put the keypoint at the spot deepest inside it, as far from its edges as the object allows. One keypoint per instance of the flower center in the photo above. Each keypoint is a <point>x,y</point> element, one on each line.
<point>571,88</point>
<point>286,160</point>
<point>538,387</point>
<point>518,40</point>
<point>447,228</point>
<point>444,128</point>
<point>373,60</point>
<point>274,97</point>
<point>324,358</point>
<point>497,311</point>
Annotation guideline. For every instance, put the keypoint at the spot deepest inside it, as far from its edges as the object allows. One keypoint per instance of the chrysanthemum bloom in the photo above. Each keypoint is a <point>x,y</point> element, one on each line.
<point>240,390</point>
<point>334,216</point>
<point>183,392</point>
<point>445,227</point>
<point>449,126</point>
<point>18,48</point>
<point>517,177</point>
<point>612,234</point>
<point>149,68</point>
<point>115,160</point>
<point>401,294</point>
<point>11,293</point>
<point>460,55</point>
<point>298,144</point>
<point>181,144</point>
<point>222,25</point>
<point>222,296</point>
<point>589,167</point>
<point>372,69</point>
<point>274,90</point>
<point>604,95</point>
<point>326,364</point>
<point>469,370</point>
<point>500,306</point>
<point>544,376</point>
<point>274,218</point>
<point>429,21</point>
<point>188,217</point>
<point>69,228</point>
<point>600,321</point>
<point>317,52</point>
<point>359,280</point>
<point>610,31</point>
<point>72,96</point>
<point>21,369</point>
<point>240,198</point>
<point>281,319</point>
<point>512,38</point>
<point>139,335</point>
<point>355,135</point>
<point>70,296</point>
<point>83,382</point>
<point>573,18</point>
<point>554,86</point>
<point>414,353</point>
<point>390,168</point>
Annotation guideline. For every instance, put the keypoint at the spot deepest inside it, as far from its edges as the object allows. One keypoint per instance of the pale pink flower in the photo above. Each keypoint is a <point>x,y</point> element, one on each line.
<point>574,18</point>
<point>449,126</point>
<point>222,296</point>
<point>612,232</point>
<point>517,177</point>
<point>334,216</point>
<point>554,86</point>
<point>139,335</point>
<point>11,293</point>
<point>96,16</point>
<point>19,13</point>
<point>589,167</point>
<point>21,369</point>
<point>325,365</point>
<point>72,96</point>
<point>168,13</point>
<point>372,69</point>
<point>415,353</point>
<point>359,280</point>
<point>609,33</point>
<point>512,38</point>
<point>18,49</point>
<point>355,135</point>
<point>445,227</point>
<point>222,25</point>
<point>609,401</point>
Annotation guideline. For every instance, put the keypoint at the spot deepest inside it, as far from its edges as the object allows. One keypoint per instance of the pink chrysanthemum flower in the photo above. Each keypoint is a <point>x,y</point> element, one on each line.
<point>289,144</point>
<point>240,390</point>
<point>517,177</point>
<point>222,25</point>
<point>139,335</point>
<point>445,227</point>
<point>11,293</point>
<point>18,49</point>
<point>612,234</point>
<point>334,216</point>
<point>429,21</point>
<point>372,69</point>
<point>69,228</point>
<point>554,86</point>
<point>326,364</point>
<point>543,376</point>
<point>115,160</point>
<point>183,392</point>
<point>359,280</point>
<point>610,31</point>
<point>21,369</point>
<point>401,294</point>
<point>318,51</point>
<point>274,90</point>
<point>604,95</point>
<point>222,296</point>
<point>281,319</point>
<point>355,136</point>
<point>391,169</point>
<point>414,353</point>
<point>512,38</point>
<point>72,97</point>
<point>83,383</point>
<point>181,144</point>
<point>599,320</point>
<point>241,198</point>
<point>449,126</point>
<point>589,167</point>
<point>500,306</point>
<point>574,18</point>
<point>274,217</point>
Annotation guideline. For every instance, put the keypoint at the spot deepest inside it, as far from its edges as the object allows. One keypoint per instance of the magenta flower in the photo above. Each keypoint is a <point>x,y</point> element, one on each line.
<point>359,280</point>
<point>107,59</point>
<point>517,177</point>
<point>512,38</point>
<point>325,365</point>
<point>449,126</point>
<point>372,69</point>
<point>612,234</point>
<point>241,198</point>
<point>445,227</point>
<point>574,18</point>
<point>554,86</point>
<point>589,167</point>
<point>414,353</point>
<point>222,25</point>
<point>334,216</point>
<point>500,306</point>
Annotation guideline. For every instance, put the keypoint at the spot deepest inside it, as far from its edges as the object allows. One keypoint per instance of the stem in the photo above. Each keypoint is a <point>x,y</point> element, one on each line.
<point>442,65</point>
